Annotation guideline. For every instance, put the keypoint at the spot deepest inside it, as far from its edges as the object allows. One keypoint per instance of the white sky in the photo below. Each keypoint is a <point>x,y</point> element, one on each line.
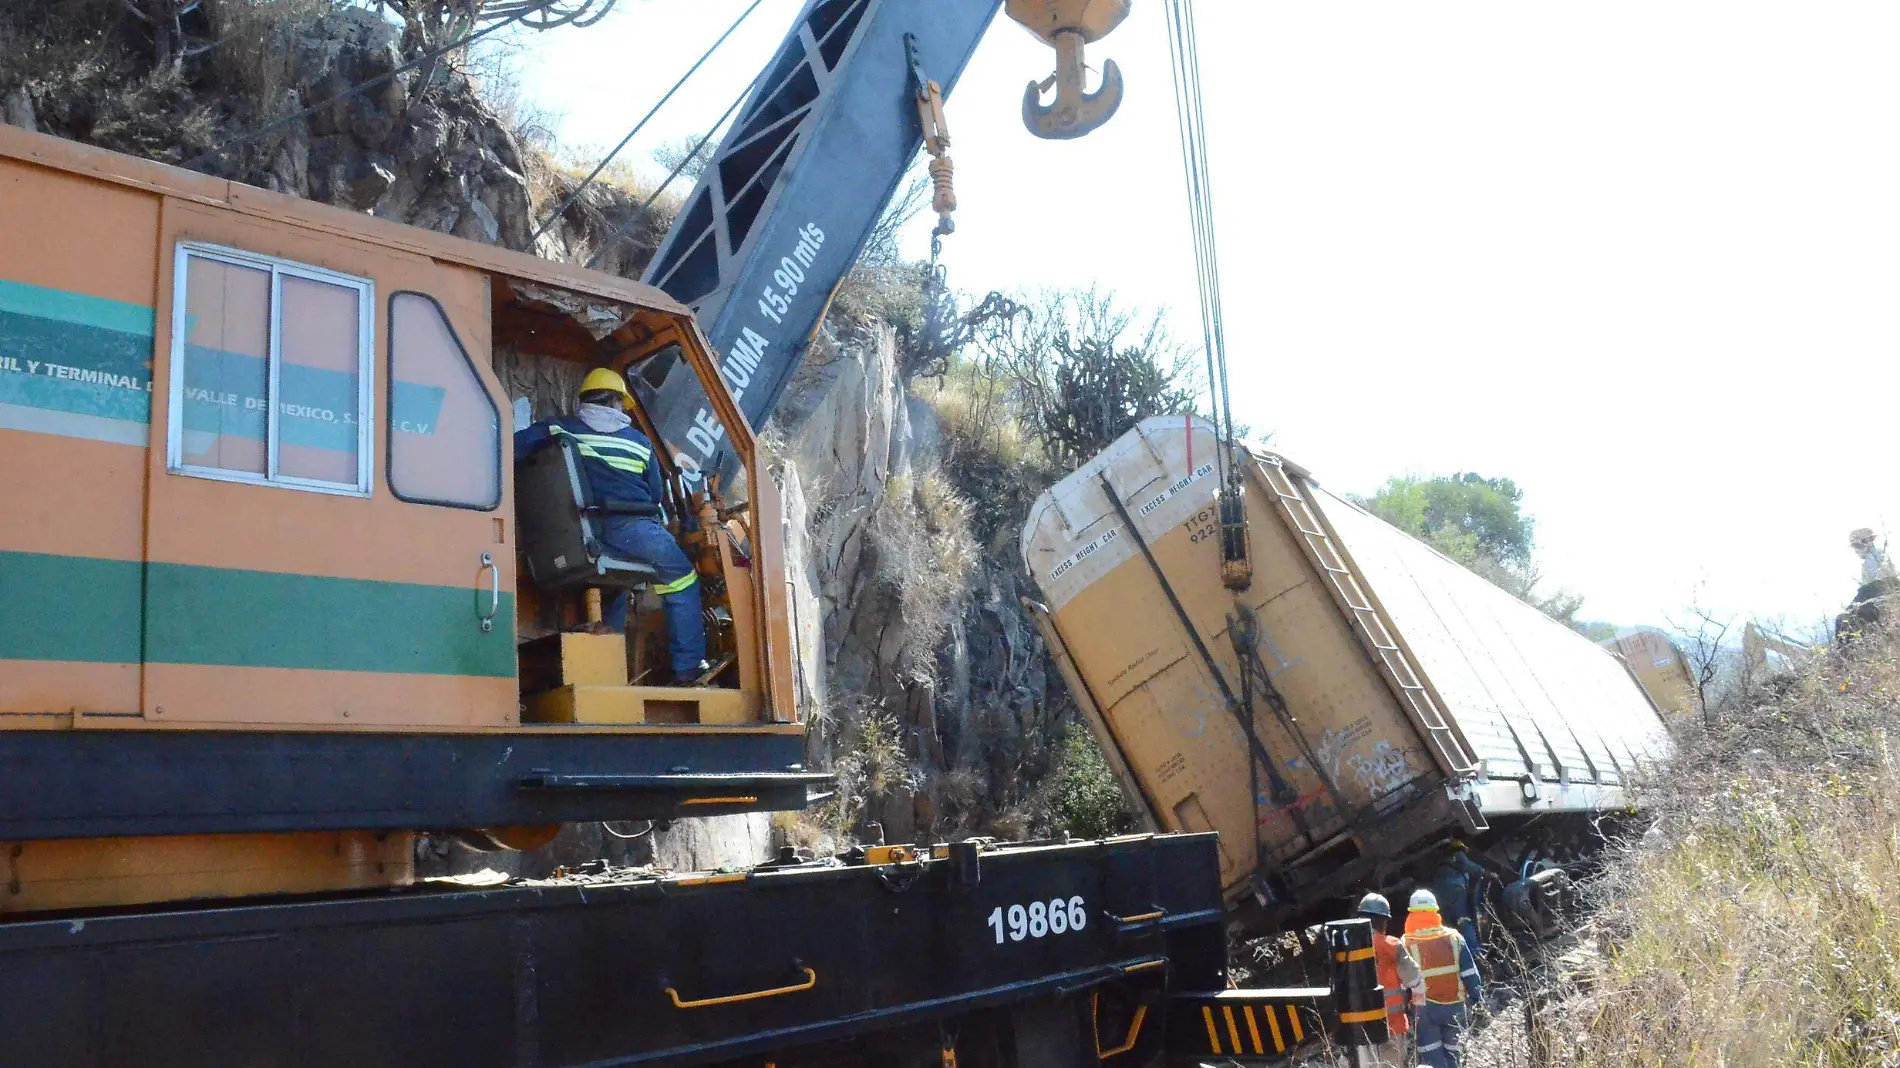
<point>1640,257</point>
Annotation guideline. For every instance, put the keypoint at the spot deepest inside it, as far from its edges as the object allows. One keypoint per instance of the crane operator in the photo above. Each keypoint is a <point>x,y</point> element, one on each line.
<point>622,470</point>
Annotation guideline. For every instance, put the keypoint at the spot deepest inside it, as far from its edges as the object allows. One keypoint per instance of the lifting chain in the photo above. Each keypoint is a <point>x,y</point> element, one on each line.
<point>936,134</point>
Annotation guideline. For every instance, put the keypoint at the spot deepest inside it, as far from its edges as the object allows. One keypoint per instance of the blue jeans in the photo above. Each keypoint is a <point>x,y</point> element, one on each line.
<point>646,541</point>
<point>1440,1034</point>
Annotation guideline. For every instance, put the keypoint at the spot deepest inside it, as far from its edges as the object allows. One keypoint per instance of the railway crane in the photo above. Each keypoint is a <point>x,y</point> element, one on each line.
<point>275,603</point>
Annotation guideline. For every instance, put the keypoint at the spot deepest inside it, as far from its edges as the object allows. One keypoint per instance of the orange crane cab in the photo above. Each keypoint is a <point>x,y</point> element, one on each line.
<point>261,610</point>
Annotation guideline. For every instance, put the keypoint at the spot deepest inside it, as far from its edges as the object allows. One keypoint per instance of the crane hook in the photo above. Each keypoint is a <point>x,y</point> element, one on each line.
<point>1068,26</point>
<point>1073,112</point>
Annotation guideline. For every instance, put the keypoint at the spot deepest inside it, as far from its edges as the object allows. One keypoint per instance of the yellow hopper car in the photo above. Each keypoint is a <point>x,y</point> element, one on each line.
<point>1660,666</point>
<point>1361,700</point>
<point>261,609</point>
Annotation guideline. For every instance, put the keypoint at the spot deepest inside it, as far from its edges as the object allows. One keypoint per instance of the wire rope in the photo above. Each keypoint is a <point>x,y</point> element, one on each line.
<point>1191,125</point>
<point>640,212</point>
<point>575,194</point>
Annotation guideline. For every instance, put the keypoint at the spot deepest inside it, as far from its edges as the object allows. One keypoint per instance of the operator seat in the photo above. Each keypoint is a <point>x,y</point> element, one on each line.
<point>559,518</point>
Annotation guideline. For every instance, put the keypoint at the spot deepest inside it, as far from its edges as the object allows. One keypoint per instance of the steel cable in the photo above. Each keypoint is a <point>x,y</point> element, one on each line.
<point>1191,123</point>
<point>640,212</point>
<point>638,126</point>
<point>1184,54</point>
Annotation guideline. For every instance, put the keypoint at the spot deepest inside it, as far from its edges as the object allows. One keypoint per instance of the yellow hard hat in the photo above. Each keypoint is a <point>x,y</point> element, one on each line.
<point>608,379</point>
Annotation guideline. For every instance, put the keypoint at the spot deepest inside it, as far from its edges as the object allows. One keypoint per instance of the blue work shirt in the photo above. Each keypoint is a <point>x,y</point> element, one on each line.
<point>620,466</point>
<point>1459,885</point>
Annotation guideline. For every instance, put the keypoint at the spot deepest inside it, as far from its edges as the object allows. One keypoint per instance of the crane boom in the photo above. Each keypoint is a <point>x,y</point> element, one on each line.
<point>785,204</point>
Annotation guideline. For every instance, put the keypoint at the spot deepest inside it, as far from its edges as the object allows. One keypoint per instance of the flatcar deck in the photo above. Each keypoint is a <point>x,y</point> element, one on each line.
<point>673,969</point>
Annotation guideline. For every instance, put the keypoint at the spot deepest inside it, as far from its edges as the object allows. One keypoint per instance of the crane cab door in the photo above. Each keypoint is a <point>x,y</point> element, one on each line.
<point>325,540</point>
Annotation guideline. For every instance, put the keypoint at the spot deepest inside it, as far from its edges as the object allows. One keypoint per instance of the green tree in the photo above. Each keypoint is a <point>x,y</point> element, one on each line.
<point>1084,797</point>
<point>1465,516</point>
<point>1480,523</point>
<point>1084,368</point>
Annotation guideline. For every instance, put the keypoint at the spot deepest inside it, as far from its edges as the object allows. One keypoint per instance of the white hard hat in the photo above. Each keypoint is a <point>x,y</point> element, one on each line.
<point>1375,905</point>
<point>1424,900</point>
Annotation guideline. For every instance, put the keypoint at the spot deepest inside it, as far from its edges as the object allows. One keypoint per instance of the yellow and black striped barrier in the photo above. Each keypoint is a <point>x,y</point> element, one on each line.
<point>1247,1023</point>
<point>1265,1024</point>
<point>1360,1003</point>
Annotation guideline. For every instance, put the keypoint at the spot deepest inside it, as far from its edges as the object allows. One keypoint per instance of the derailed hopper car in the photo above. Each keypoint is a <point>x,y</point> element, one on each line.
<point>1360,700</point>
<point>1659,666</point>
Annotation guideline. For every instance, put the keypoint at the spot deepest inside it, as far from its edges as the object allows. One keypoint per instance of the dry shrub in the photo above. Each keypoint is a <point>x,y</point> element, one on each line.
<point>874,293</point>
<point>926,554</point>
<point>872,765</point>
<point>1756,923</point>
<point>883,287</point>
<point>613,210</point>
<point>808,832</point>
<point>87,70</point>
<point>989,450</point>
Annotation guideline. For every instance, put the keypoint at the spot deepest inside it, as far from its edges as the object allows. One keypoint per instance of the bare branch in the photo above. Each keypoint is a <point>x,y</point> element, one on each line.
<point>1703,632</point>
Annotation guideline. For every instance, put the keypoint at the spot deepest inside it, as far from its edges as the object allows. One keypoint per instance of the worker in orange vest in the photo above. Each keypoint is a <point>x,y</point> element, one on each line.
<point>1398,975</point>
<point>1450,975</point>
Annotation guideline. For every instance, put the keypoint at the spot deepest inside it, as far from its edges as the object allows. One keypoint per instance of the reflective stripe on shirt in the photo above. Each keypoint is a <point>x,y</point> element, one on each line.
<point>607,441</point>
<point>617,453</point>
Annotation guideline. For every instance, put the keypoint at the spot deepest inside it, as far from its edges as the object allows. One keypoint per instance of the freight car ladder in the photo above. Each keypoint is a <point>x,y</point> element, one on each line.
<point>1371,626</point>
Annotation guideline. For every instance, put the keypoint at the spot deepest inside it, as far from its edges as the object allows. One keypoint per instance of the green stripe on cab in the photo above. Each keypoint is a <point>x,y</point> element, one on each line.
<point>77,608</point>
<point>209,615</point>
<point>69,608</point>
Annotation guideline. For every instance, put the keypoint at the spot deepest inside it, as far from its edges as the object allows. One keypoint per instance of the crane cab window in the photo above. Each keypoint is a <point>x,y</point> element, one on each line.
<point>444,428</point>
<point>270,375</point>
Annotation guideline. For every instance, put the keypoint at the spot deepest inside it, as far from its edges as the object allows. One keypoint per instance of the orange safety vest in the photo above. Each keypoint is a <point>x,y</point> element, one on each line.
<point>1385,951</point>
<point>1436,949</point>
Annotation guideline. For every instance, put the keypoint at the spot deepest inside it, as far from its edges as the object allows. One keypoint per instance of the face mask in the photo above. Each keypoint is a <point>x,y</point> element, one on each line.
<point>605,420</point>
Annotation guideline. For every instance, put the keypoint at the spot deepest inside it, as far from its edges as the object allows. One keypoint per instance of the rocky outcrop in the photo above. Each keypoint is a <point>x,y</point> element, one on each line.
<point>425,152</point>
<point>420,146</point>
<point>964,676</point>
<point>17,109</point>
<point>848,448</point>
<point>424,148</point>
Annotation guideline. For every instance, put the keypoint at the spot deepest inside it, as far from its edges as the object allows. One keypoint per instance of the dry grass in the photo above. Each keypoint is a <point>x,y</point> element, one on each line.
<point>872,765</point>
<point>925,551</point>
<point>88,74</point>
<point>607,205</point>
<point>989,450</point>
<point>1757,922</point>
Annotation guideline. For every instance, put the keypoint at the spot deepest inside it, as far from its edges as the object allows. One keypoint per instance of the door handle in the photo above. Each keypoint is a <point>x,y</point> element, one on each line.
<point>494,591</point>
